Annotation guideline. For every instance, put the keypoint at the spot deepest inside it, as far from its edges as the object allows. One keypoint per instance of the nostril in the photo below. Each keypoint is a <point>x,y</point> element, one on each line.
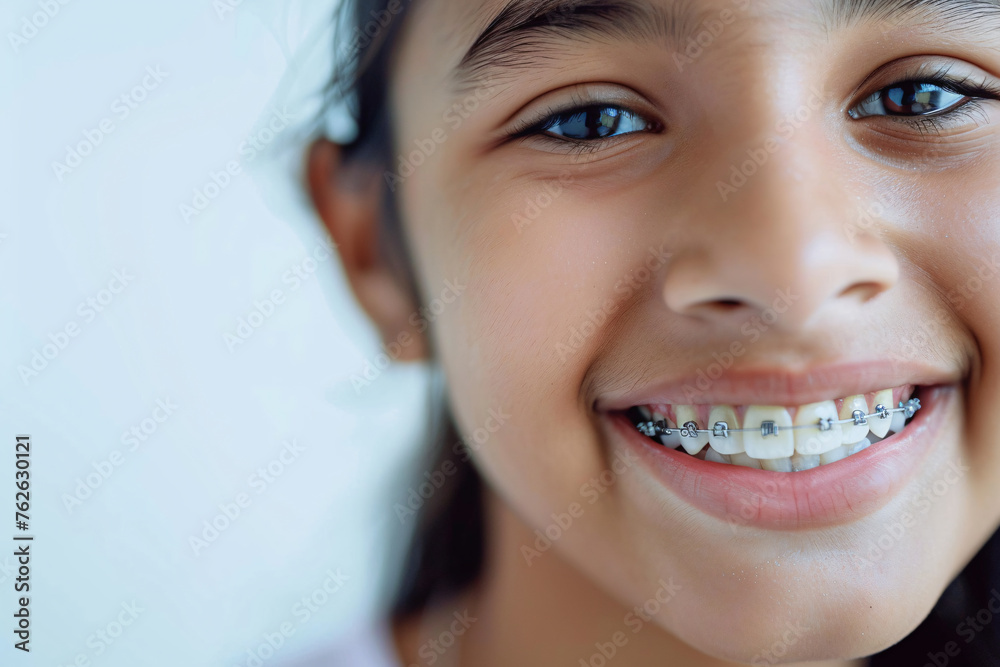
<point>717,307</point>
<point>724,306</point>
<point>864,292</point>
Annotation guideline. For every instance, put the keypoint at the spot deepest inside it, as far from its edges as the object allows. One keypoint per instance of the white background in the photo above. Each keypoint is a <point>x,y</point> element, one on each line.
<point>163,337</point>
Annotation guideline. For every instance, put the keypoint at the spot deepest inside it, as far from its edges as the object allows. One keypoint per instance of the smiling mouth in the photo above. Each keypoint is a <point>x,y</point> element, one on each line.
<point>779,438</point>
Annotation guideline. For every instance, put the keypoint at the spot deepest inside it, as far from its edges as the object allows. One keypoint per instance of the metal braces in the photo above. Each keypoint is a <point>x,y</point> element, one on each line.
<point>769,428</point>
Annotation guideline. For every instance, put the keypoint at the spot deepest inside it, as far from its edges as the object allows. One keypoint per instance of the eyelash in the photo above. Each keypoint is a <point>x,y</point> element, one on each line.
<point>926,124</point>
<point>538,126</point>
<point>935,123</point>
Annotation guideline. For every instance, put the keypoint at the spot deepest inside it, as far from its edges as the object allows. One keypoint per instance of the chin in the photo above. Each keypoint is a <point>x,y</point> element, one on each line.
<point>801,615</point>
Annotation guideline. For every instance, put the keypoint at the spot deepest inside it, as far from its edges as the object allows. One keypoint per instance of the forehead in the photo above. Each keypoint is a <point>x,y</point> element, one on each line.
<point>471,39</point>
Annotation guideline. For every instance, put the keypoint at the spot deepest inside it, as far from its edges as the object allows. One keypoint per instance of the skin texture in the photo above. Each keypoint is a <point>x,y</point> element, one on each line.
<point>887,233</point>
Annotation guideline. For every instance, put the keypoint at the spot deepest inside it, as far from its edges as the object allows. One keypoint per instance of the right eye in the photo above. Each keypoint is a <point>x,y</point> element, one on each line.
<point>591,123</point>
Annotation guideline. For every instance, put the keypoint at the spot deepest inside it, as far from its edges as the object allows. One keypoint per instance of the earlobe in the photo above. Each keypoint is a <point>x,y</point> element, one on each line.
<point>348,201</point>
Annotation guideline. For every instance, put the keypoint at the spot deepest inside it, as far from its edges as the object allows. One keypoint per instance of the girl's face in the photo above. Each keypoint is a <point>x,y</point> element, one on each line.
<point>682,206</point>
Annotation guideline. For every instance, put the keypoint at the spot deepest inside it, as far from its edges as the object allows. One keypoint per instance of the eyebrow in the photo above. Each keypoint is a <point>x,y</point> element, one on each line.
<point>526,32</point>
<point>959,13</point>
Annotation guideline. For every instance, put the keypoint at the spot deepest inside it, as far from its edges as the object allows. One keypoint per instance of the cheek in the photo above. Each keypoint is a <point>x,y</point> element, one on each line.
<point>546,277</point>
<point>957,249</point>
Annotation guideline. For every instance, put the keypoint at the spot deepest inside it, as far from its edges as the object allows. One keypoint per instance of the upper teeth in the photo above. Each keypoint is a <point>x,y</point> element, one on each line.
<point>770,432</point>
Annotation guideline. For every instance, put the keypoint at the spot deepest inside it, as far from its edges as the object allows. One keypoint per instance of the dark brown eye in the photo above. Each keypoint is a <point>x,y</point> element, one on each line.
<point>910,98</point>
<point>596,122</point>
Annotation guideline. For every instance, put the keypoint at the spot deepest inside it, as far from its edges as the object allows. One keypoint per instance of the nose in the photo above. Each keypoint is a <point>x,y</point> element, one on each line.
<point>787,236</point>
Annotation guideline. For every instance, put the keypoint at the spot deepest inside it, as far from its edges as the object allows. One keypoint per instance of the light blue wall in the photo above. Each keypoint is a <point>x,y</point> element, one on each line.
<point>183,285</point>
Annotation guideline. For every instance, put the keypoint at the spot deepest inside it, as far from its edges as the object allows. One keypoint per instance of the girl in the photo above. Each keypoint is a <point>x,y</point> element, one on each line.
<point>712,287</point>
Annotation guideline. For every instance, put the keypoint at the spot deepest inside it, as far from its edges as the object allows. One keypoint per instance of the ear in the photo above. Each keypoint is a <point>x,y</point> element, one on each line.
<point>349,204</point>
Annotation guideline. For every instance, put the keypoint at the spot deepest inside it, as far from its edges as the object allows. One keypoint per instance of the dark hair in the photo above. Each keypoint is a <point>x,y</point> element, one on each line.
<point>446,552</point>
<point>447,549</point>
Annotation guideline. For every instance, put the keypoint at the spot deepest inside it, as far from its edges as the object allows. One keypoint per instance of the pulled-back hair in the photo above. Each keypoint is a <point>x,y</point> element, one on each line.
<point>445,553</point>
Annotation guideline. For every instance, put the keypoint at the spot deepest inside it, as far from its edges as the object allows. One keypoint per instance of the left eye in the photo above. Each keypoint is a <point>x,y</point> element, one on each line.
<point>912,98</point>
<point>596,122</point>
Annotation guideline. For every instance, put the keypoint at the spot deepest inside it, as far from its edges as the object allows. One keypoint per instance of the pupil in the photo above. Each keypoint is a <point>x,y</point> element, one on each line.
<point>913,98</point>
<point>593,123</point>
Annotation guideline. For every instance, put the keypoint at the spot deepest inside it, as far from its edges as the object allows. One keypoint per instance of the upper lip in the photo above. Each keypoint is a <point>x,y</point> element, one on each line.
<point>778,386</point>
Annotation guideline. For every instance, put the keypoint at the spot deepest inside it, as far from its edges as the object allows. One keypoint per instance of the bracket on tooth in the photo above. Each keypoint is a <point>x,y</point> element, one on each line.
<point>721,429</point>
<point>653,428</point>
<point>911,406</point>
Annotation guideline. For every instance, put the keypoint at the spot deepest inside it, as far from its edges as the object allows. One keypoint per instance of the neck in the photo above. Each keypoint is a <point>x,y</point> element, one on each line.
<point>547,614</point>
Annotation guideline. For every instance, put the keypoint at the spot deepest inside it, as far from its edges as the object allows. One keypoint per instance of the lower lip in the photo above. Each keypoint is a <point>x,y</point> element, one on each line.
<point>832,494</point>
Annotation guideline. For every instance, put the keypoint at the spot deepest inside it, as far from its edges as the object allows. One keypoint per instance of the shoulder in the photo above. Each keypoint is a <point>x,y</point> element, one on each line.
<point>365,645</point>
